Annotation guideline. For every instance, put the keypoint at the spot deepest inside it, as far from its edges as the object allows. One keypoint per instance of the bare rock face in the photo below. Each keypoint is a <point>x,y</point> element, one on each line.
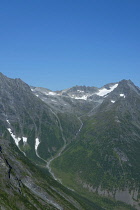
<point>126,195</point>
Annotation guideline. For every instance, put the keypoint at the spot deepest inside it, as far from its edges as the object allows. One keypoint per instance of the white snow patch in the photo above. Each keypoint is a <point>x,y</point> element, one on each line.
<point>24,140</point>
<point>37,142</point>
<point>52,93</point>
<point>81,91</point>
<point>54,100</point>
<point>16,139</point>
<point>112,101</point>
<point>104,91</point>
<point>84,97</point>
<point>8,122</point>
<point>32,89</point>
<point>37,95</point>
<point>122,95</point>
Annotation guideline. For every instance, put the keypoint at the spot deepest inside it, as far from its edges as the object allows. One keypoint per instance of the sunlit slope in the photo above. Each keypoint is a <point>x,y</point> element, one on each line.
<point>105,156</point>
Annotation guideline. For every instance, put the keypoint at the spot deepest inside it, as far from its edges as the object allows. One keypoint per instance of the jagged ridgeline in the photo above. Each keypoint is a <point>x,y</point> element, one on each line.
<point>89,136</point>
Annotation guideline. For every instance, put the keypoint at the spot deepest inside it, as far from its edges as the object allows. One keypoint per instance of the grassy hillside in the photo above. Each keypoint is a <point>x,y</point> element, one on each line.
<point>105,154</point>
<point>28,186</point>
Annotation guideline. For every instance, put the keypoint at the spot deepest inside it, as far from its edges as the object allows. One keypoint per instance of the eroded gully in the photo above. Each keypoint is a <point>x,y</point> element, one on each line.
<point>62,149</point>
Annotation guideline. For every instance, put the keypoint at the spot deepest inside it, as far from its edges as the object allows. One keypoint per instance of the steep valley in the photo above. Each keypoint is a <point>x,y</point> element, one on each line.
<point>72,149</point>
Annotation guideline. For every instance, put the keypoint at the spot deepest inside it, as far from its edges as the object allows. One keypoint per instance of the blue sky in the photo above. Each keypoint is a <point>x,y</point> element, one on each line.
<point>61,43</point>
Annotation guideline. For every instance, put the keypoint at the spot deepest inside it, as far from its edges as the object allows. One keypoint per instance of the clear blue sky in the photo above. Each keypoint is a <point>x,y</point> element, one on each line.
<point>61,43</point>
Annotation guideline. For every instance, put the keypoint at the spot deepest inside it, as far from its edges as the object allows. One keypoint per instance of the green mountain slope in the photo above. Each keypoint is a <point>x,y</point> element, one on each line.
<point>27,116</point>
<point>91,140</point>
<point>28,186</point>
<point>105,156</point>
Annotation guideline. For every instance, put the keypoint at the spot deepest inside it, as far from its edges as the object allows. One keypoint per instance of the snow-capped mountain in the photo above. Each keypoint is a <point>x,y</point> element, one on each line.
<point>78,92</point>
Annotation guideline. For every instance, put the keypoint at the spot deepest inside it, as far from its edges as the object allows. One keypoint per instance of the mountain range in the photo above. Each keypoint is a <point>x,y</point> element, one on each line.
<point>72,149</point>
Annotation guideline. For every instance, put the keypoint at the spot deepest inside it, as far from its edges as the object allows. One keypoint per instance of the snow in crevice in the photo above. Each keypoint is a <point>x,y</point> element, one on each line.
<point>32,89</point>
<point>112,101</point>
<point>37,95</point>
<point>24,140</point>
<point>8,122</point>
<point>51,93</point>
<point>37,142</point>
<point>16,139</point>
<point>81,91</point>
<point>122,95</point>
<point>84,97</point>
<point>104,91</point>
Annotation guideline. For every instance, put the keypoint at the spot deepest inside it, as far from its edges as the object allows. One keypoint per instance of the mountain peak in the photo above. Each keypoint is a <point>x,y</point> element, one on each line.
<point>125,81</point>
<point>128,86</point>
